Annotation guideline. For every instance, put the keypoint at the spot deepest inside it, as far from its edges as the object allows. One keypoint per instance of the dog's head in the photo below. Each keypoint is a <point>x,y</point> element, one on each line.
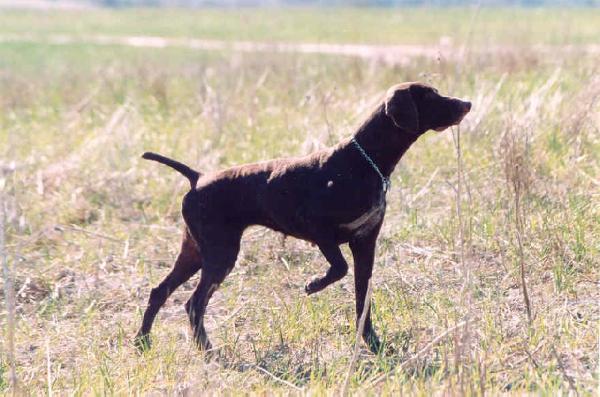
<point>417,108</point>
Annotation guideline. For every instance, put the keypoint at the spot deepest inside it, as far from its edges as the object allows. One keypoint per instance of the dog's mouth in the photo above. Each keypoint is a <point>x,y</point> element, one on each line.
<point>457,122</point>
<point>467,108</point>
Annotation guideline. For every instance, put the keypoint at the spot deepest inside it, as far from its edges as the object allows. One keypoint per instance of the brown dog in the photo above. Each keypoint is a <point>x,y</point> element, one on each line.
<point>331,197</point>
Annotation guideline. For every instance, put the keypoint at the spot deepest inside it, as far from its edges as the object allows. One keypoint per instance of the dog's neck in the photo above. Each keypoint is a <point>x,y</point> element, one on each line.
<point>383,141</point>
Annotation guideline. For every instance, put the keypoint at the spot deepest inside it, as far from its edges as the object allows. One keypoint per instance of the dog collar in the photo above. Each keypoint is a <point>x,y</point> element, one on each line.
<point>385,182</point>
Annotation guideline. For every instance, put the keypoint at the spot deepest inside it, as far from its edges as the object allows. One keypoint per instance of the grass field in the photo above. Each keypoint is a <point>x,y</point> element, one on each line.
<point>91,228</point>
<point>380,26</point>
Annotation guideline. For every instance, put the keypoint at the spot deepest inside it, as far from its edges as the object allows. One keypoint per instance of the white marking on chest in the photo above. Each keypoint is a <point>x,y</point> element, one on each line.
<point>366,221</point>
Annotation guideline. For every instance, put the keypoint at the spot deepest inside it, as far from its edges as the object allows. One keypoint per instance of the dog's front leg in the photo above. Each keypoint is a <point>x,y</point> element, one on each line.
<point>363,251</point>
<point>337,270</point>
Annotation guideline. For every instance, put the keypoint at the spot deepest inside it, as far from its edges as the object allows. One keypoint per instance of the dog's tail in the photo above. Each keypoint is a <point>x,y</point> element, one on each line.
<point>186,171</point>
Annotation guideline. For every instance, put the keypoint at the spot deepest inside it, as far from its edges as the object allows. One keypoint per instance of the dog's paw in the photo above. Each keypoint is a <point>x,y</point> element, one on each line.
<point>373,343</point>
<point>142,343</point>
<point>313,285</point>
<point>379,347</point>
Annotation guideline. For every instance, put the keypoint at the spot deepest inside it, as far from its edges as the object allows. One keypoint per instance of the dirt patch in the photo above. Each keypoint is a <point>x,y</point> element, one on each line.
<point>392,54</point>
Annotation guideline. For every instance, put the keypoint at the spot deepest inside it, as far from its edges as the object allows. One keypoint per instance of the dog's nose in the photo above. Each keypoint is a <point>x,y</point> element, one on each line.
<point>467,106</point>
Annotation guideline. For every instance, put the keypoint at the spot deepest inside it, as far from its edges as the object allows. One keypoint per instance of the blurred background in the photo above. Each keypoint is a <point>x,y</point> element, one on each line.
<point>275,3</point>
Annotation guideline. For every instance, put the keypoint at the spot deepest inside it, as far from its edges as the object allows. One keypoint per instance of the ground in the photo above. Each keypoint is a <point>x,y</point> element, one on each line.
<point>509,199</point>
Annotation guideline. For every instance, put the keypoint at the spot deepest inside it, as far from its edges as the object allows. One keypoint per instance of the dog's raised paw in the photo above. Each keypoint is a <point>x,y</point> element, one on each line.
<point>313,285</point>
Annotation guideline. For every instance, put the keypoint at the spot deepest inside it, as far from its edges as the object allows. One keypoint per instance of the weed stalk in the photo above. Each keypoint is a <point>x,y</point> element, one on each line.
<point>8,297</point>
<point>517,178</point>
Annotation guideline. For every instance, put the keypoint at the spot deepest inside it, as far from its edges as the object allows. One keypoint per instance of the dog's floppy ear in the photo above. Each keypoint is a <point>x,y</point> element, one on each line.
<point>401,108</point>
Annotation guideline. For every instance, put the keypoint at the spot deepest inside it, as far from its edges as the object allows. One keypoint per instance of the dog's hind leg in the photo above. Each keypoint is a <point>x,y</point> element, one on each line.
<point>187,264</point>
<point>218,260</point>
<point>196,305</point>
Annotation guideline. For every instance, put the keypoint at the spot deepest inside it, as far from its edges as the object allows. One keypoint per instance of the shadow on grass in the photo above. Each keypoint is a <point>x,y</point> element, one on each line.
<point>298,367</point>
<point>278,363</point>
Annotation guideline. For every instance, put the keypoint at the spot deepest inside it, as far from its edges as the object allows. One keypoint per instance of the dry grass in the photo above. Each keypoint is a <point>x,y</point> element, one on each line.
<point>90,228</point>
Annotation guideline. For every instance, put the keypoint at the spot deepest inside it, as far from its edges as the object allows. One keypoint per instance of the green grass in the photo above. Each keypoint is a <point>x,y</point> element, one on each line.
<point>345,25</point>
<point>91,228</point>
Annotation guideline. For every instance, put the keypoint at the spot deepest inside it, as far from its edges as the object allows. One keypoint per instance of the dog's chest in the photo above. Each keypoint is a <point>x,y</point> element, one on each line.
<point>367,221</point>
